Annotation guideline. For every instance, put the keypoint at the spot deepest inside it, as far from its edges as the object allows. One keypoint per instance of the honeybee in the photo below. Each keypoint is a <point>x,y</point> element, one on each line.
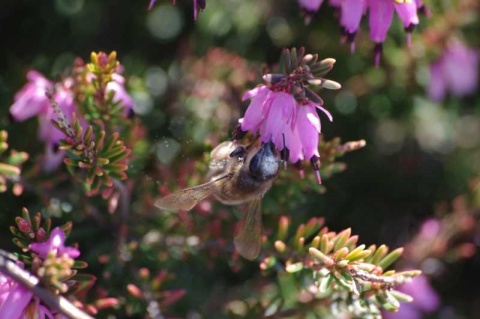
<point>238,174</point>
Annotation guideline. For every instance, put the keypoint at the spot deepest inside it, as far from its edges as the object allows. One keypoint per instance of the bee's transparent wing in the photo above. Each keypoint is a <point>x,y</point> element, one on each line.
<point>186,199</point>
<point>248,241</point>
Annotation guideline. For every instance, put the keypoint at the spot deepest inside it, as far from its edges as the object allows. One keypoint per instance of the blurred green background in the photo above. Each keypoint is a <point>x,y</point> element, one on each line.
<point>418,152</point>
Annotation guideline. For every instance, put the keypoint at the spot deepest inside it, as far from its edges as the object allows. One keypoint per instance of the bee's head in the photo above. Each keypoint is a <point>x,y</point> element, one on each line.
<point>264,163</point>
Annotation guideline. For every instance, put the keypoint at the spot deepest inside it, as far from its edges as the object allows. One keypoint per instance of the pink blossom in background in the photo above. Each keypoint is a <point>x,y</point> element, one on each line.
<point>56,242</point>
<point>380,14</point>
<point>455,72</point>
<point>311,6</point>
<point>425,300</point>
<point>31,101</point>
<point>198,5</point>
<point>117,85</point>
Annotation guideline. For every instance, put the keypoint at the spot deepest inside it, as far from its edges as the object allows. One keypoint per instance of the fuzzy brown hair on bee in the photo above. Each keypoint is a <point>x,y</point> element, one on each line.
<point>238,174</point>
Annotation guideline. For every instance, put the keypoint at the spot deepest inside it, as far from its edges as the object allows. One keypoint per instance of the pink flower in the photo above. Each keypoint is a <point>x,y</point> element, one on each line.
<point>425,299</point>
<point>444,74</point>
<point>351,14</point>
<point>31,101</point>
<point>197,6</point>
<point>117,85</point>
<point>310,6</point>
<point>14,298</point>
<point>380,19</point>
<point>56,243</point>
<point>279,118</point>
<point>407,12</point>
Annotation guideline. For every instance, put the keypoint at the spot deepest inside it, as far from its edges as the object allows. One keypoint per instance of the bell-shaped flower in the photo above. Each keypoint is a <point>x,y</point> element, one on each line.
<point>31,100</point>
<point>310,6</point>
<point>55,243</point>
<point>350,17</point>
<point>258,108</point>
<point>379,20</point>
<point>14,298</point>
<point>407,12</point>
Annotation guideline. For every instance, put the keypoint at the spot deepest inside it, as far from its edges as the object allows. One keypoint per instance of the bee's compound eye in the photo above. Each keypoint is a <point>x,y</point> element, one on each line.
<point>239,151</point>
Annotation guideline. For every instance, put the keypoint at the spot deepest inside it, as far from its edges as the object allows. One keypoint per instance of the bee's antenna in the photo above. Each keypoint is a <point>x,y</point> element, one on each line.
<point>285,153</point>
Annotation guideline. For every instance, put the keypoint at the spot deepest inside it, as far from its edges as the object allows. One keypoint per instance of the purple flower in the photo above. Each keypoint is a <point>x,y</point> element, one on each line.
<point>279,118</point>
<point>407,12</point>
<point>444,74</point>
<point>31,101</point>
<point>56,243</point>
<point>14,298</point>
<point>117,85</point>
<point>351,14</point>
<point>197,6</point>
<point>425,299</point>
<point>310,6</point>
<point>380,19</point>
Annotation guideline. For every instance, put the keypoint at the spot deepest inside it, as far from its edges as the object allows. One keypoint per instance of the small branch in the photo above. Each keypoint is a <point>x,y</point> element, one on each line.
<point>11,269</point>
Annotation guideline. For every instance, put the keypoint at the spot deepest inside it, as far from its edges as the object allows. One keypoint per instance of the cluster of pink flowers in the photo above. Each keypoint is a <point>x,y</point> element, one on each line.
<point>18,302</point>
<point>198,5</point>
<point>380,17</point>
<point>290,125</point>
<point>425,300</point>
<point>31,101</point>
<point>455,71</point>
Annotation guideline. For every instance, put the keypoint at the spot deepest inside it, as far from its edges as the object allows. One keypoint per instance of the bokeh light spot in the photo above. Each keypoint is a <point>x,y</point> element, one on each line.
<point>165,22</point>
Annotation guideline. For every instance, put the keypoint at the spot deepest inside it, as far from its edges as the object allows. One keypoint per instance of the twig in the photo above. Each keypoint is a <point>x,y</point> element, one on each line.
<point>29,281</point>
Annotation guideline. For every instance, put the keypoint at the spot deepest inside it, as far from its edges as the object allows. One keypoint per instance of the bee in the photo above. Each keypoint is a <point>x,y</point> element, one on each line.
<point>238,174</point>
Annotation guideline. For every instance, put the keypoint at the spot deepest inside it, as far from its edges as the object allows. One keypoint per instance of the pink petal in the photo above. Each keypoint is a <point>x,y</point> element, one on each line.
<point>351,14</point>
<point>257,110</point>
<point>254,92</point>
<point>310,5</point>
<point>380,18</point>
<point>294,145</point>
<point>437,85</point>
<point>18,298</point>
<point>308,128</point>
<point>407,12</point>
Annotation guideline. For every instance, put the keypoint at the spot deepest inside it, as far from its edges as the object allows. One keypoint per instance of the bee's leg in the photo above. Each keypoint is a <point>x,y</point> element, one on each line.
<point>315,162</point>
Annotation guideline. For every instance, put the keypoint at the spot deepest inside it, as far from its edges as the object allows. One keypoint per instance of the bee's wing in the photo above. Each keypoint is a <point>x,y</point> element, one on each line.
<point>186,199</point>
<point>248,241</point>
